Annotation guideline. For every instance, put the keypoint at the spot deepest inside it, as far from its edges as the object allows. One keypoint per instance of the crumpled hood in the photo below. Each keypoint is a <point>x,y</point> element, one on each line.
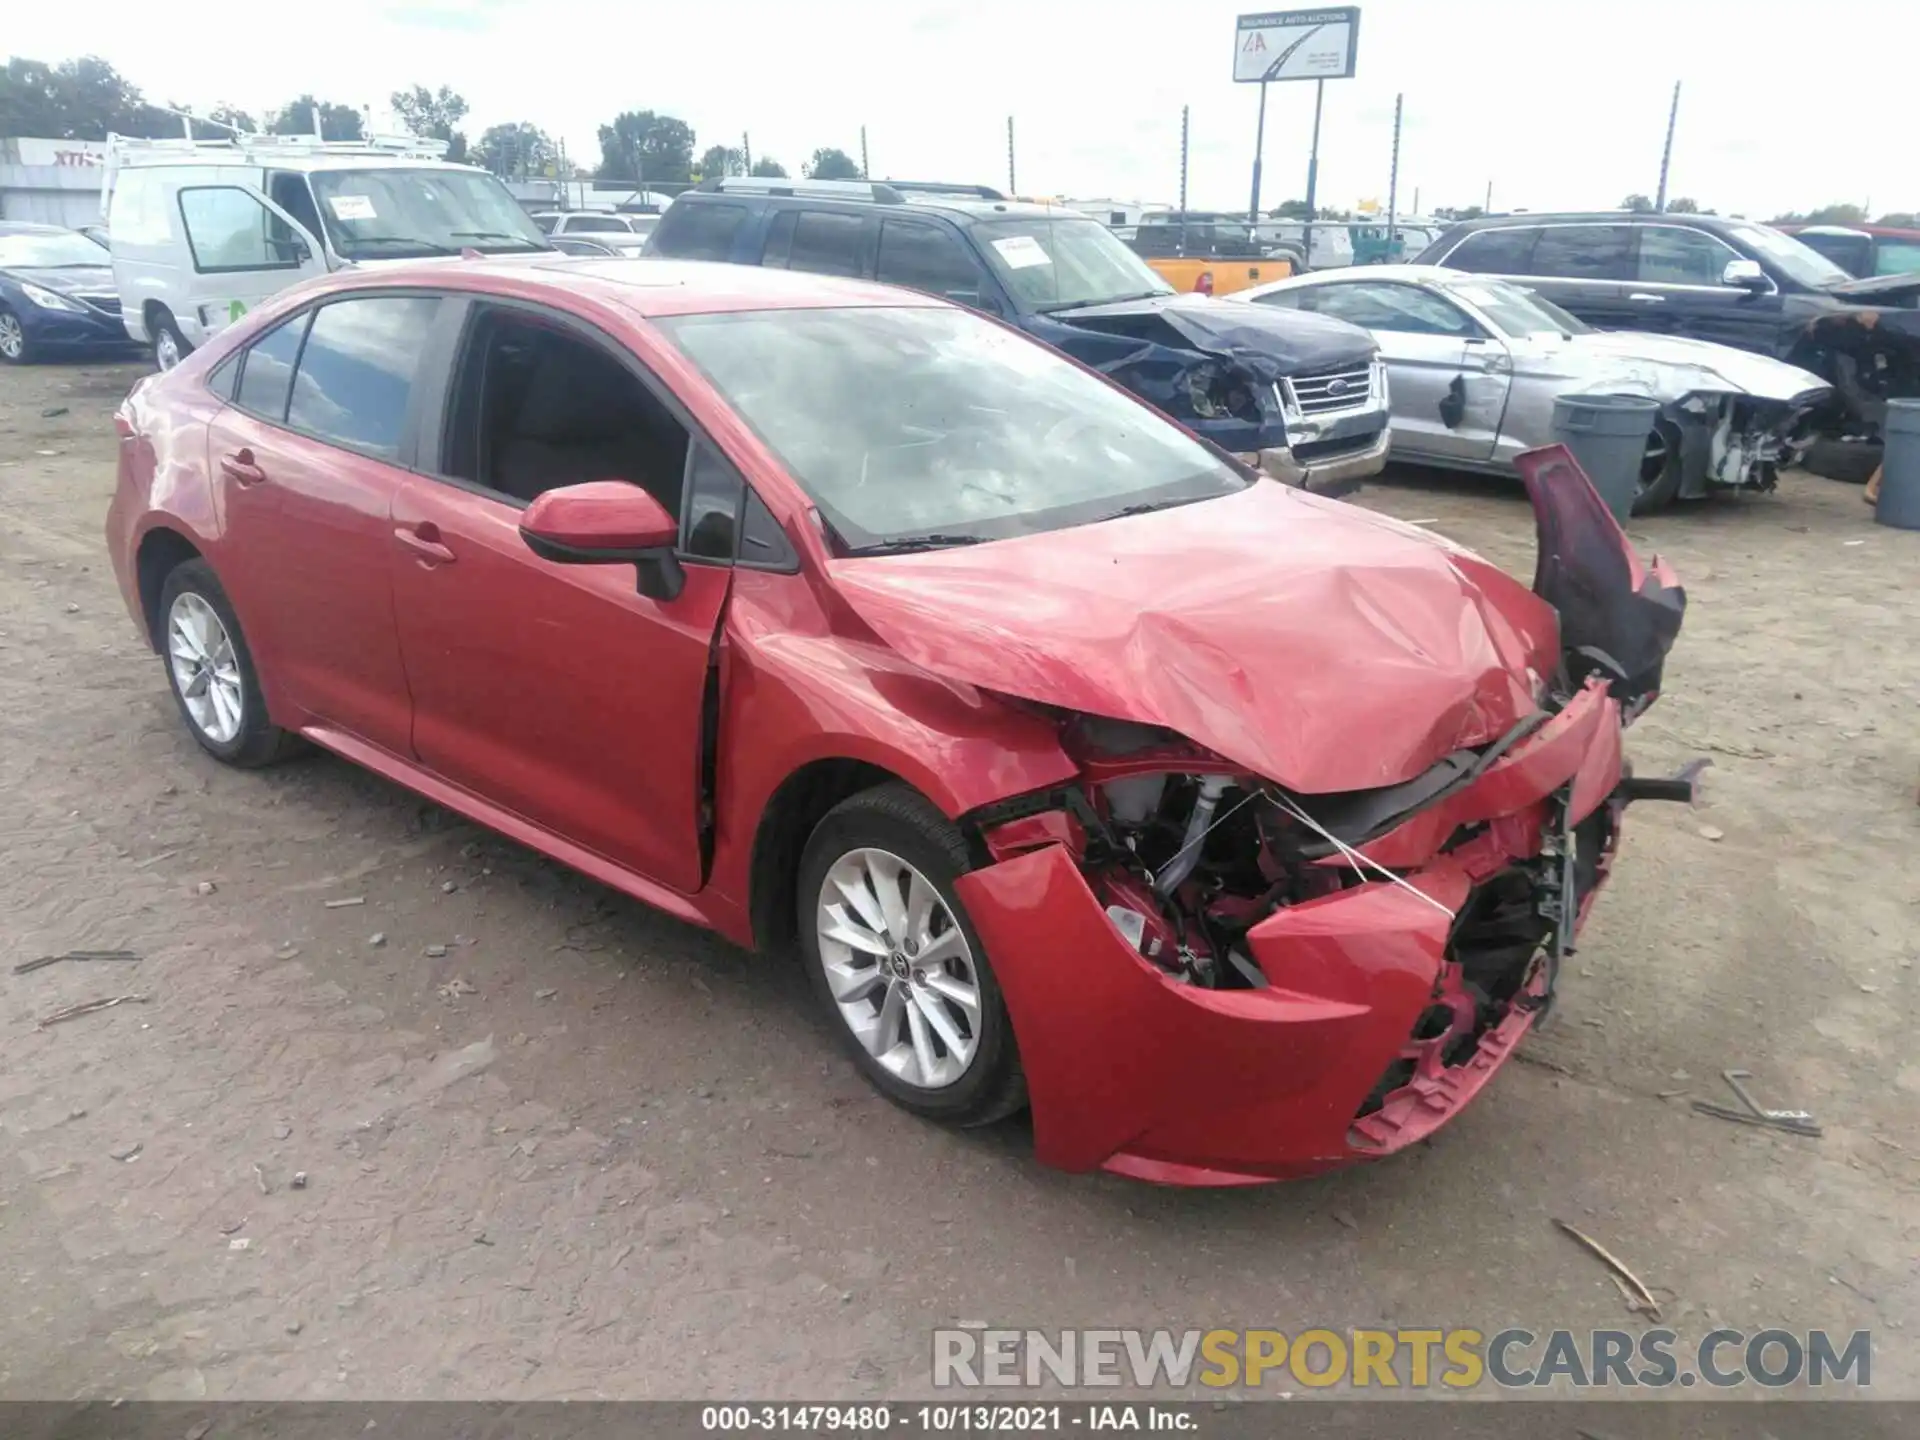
<point>1318,645</point>
<point>1713,366</point>
<point>1271,342</point>
<point>66,279</point>
<point>1880,289</point>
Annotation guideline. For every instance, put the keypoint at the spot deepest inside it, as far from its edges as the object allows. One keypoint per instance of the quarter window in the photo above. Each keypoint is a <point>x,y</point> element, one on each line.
<point>357,370</point>
<point>1584,252</point>
<point>699,230</point>
<point>267,374</point>
<point>1670,255</point>
<point>228,229</point>
<point>712,515</point>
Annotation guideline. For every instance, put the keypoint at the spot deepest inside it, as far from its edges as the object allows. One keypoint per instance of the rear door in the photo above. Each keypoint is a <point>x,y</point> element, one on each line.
<point>821,242</point>
<point>306,463</point>
<point>1588,270</point>
<point>242,248</point>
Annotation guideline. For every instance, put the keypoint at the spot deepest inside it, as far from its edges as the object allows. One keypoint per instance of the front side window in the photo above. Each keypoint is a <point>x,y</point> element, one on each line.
<point>356,373</point>
<point>267,373</point>
<point>927,257</point>
<point>922,427</point>
<point>698,230</point>
<point>1401,309</point>
<point>1584,252</point>
<point>229,229</point>
<point>400,212</point>
<point>1897,257</point>
<point>1051,264</point>
<point>1670,255</point>
<point>1495,252</point>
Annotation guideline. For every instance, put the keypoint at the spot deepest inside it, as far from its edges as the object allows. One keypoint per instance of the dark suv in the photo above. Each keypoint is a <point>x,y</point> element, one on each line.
<point>1710,278</point>
<point>1300,396</point>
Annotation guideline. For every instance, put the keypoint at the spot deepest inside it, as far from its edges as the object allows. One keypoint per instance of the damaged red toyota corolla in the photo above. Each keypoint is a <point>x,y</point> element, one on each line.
<point>1238,831</point>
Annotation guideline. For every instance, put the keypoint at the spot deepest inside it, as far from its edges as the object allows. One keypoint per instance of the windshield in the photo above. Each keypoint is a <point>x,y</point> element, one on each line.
<point>396,212</point>
<point>1897,257</point>
<point>939,425</point>
<point>1514,311</point>
<point>55,250</point>
<point>1053,264</point>
<point>1801,263</point>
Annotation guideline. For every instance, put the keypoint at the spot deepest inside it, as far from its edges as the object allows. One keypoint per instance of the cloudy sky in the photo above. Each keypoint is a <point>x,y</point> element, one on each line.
<point>1559,103</point>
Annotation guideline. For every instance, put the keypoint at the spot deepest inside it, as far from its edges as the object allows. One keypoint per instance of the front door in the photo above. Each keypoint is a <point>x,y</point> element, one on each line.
<point>1677,277</point>
<point>306,462</point>
<point>558,692</point>
<point>241,248</point>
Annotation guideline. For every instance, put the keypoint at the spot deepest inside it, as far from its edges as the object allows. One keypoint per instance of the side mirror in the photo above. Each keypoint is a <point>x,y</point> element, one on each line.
<point>607,522</point>
<point>1745,275</point>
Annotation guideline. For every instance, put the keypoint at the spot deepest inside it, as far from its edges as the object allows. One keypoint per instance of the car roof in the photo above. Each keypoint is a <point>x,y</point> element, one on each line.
<point>646,288</point>
<point>24,227</point>
<point>954,206</point>
<point>1594,217</point>
<point>290,160</point>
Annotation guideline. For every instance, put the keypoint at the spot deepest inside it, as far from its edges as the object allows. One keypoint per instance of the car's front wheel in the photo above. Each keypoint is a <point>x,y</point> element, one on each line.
<point>211,671</point>
<point>897,963</point>
<point>16,346</point>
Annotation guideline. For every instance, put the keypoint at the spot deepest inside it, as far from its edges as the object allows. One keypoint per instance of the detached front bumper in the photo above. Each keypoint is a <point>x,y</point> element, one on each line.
<point>1365,1039</point>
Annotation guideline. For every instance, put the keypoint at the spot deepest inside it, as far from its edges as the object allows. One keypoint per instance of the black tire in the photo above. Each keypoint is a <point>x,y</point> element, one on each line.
<point>1851,462</point>
<point>1660,474</point>
<point>258,740</point>
<point>898,819</point>
<point>162,328</point>
<point>16,346</point>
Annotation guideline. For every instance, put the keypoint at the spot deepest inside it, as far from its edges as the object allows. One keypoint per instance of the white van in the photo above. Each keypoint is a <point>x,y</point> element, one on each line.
<point>202,231</point>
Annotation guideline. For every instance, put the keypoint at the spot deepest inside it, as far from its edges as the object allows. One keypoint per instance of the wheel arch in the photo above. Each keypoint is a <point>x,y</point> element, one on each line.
<point>796,806</point>
<point>162,551</point>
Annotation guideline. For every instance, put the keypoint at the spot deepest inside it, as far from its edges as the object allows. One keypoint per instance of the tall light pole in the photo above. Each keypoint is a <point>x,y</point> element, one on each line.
<point>1393,180</point>
<point>1666,155</point>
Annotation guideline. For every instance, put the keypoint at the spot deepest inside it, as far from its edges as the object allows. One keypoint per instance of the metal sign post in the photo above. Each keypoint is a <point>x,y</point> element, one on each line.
<point>1317,45</point>
<point>1393,182</point>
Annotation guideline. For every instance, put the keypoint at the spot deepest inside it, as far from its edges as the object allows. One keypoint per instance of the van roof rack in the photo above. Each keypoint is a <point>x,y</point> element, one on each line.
<point>133,149</point>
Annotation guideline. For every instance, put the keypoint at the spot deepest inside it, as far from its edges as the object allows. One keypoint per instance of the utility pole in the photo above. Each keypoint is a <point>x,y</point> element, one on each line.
<point>1183,179</point>
<point>1012,186</point>
<point>1487,209</point>
<point>1393,181</point>
<point>1313,170</point>
<point>1666,155</point>
<point>1259,146</point>
<point>1416,199</point>
<point>865,174</point>
<point>746,151</point>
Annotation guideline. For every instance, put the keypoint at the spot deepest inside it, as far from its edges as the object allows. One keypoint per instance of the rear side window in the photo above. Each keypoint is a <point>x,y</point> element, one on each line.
<point>1585,252</point>
<point>927,257</point>
<point>1494,252</point>
<point>356,372</point>
<point>825,243</point>
<point>698,230</point>
<point>267,374</point>
<point>598,223</point>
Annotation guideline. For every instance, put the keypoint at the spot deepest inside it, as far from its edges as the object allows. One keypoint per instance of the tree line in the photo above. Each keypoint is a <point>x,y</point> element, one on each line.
<point>87,99</point>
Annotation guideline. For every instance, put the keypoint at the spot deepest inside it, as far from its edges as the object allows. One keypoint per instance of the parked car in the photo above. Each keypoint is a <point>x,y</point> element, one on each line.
<point>1863,251</point>
<point>845,620</point>
<point>56,294</point>
<point>588,245</point>
<point>1476,363</point>
<point>1301,397</point>
<point>1332,245</point>
<point>202,232</point>
<point>1730,281</point>
<point>1372,247</point>
<point>615,230</point>
<point>1211,254</point>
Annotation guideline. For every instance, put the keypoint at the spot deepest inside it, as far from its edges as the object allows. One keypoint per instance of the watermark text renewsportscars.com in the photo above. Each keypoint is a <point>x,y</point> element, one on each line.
<point>1413,1359</point>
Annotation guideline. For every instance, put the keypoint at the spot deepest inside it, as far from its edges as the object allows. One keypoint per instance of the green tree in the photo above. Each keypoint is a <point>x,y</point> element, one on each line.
<point>1838,215</point>
<point>337,122</point>
<point>643,148</point>
<point>720,160</point>
<point>1905,219</point>
<point>1289,210</point>
<point>831,164</point>
<point>1685,205</point>
<point>515,151</point>
<point>1639,204</point>
<point>435,114</point>
<point>84,99</point>
<point>767,168</point>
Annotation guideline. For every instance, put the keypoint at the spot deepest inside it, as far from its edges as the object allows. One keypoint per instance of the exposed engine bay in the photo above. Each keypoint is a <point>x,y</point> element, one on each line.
<point>1743,440</point>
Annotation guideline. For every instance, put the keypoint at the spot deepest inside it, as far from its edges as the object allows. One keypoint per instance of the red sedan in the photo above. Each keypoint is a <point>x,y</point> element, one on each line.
<point>1237,831</point>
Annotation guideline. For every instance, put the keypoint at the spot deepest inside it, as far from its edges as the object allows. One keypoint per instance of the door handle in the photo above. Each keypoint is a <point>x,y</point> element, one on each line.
<point>1641,298</point>
<point>424,540</point>
<point>238,466</point>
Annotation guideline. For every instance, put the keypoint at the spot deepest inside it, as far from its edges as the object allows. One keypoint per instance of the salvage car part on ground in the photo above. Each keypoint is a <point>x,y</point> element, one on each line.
<point>1477,364</point>
<point>1241,832</point>
<point>1295,395</point>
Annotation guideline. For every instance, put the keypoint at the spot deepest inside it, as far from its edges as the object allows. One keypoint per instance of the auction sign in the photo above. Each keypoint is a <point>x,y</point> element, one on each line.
<point>1297,44</point>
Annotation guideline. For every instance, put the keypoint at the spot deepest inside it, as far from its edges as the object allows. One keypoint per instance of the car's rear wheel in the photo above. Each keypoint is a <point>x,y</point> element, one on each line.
<point>1659,470</point>
<point>16,347</point>
<point>211,671</point>
<point>170,347</point>
<point>897,963</point>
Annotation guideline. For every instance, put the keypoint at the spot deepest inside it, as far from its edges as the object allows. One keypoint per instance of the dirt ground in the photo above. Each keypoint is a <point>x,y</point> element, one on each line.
<point>556,1145</point>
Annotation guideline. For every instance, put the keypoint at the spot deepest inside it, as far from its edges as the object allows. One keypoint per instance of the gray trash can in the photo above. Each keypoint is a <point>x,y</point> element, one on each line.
<point>1899,502</point>
<point>1608,436</point>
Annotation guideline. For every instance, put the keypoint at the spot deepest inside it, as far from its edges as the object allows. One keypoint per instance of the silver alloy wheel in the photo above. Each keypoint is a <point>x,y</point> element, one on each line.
<point>899,968</point>
<point>13,339</point>
<point>205,668</point>
<point>1653,460</point>
<point>166,349</point>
